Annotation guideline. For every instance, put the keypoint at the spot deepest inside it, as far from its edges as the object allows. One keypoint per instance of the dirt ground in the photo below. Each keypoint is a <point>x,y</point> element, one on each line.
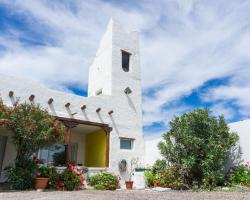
<point>122,195</point>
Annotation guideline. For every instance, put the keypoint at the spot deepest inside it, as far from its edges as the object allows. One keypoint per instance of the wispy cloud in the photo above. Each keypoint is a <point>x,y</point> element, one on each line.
<point>184,44</point>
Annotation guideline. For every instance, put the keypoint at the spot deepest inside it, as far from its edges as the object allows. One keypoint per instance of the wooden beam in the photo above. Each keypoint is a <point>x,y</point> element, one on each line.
<point>79,121</point>
<point>83,107</point>
<point>107,148</point>
<point>11,93</point>
<point>50,101</point>
<point>32,97</point>
<point>66,145</point>
<point>110,112</point>
<point>67,105</point>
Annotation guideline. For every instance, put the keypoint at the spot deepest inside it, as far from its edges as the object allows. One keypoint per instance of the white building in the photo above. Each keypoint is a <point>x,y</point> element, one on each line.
<point>104,127</point>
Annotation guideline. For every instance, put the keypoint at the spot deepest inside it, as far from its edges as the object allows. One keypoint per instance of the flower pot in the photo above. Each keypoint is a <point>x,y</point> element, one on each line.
<point>41,183</point>
<point>129,185</point>
<point>245,188</point>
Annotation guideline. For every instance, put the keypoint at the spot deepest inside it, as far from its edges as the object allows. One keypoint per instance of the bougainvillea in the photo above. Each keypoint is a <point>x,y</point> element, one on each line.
<point>70,179</point>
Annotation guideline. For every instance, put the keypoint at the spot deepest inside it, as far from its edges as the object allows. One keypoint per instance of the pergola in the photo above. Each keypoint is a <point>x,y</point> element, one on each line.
<point>72,123</point>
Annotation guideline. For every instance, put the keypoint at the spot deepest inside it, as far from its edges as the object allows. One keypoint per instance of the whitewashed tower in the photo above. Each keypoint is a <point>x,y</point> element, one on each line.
<point>116,68</point>
<point>115,74</point>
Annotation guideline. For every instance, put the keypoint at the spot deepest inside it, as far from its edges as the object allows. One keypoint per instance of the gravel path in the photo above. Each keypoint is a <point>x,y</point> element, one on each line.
<point>123,195</point>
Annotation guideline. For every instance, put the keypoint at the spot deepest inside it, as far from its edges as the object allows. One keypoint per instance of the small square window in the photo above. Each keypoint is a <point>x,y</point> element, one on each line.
<point>126,143</point>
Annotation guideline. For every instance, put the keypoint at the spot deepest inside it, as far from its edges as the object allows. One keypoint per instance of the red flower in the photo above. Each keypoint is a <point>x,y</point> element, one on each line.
<point>61,184</point>
<point>56,187</point>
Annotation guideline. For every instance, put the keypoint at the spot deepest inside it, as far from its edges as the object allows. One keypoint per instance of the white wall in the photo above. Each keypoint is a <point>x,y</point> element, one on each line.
<point>243,130</point>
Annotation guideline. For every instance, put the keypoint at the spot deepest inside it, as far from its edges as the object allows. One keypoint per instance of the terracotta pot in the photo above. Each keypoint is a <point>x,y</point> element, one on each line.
<point>129,185</point>
<point>245,188</point>
<point>41,183</point>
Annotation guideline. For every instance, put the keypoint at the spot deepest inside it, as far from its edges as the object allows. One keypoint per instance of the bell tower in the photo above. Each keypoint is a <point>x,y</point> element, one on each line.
<point>116,67</point>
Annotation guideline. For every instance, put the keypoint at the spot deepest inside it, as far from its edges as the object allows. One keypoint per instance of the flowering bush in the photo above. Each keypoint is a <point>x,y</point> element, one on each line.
<point>33,127</point>
<point>104,181</point>
<point>241,175</point>
<point>167,177</point>
<point>70,179</point>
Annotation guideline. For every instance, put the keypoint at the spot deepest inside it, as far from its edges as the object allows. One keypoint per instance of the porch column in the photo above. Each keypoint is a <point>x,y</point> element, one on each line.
<point>107,131</point>
<point>68,126</point>
<point>66,144</point>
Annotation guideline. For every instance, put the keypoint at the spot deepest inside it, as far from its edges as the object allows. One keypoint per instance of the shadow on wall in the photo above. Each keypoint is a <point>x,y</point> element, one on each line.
<point>85,114</point>
<point>100,117</point>
<point>114,125</point>
<point>52,109</point>
<point>235,157</point>
<point>130,103</point>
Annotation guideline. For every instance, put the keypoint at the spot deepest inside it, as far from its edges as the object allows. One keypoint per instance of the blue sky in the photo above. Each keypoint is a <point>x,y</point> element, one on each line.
<point>193,53</point>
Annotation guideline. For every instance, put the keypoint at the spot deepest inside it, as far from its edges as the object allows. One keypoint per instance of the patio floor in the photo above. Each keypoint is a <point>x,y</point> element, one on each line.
<point>124,195</point>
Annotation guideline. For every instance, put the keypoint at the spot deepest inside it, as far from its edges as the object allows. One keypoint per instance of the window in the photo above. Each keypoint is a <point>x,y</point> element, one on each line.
<point>125,61</point>
<point>74,149</point>
<point>54,154</point>
<point>126,143</point>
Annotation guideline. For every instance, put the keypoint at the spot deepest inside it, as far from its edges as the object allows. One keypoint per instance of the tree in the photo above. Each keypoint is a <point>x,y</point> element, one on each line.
<point>33,127</point>
<point>199,145</point>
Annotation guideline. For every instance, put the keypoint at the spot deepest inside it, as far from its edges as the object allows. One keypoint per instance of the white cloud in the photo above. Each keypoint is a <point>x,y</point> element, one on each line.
<point>183,45</point>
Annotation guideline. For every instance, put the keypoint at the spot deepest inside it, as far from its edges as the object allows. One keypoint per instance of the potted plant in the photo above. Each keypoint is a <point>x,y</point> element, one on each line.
<point>42,177</point>
<point>129,183</point>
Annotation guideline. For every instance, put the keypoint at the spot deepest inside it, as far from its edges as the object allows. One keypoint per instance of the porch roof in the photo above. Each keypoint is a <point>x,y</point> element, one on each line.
<point>72,122</point>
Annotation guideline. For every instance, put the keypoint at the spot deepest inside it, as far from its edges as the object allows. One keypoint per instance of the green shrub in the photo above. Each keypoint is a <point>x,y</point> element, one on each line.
<point>22,174</point>
<point>149,178</point>
<point>103,181</point>
<point>241,175</point>
<point>45,172</point>
<point>59,158</point>
<point>70,179</point>
<point>159,166</point>
<point>198,144</point>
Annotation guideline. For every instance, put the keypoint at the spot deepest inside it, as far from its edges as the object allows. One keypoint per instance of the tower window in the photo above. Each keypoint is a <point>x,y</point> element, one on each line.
<point>125,61</point>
